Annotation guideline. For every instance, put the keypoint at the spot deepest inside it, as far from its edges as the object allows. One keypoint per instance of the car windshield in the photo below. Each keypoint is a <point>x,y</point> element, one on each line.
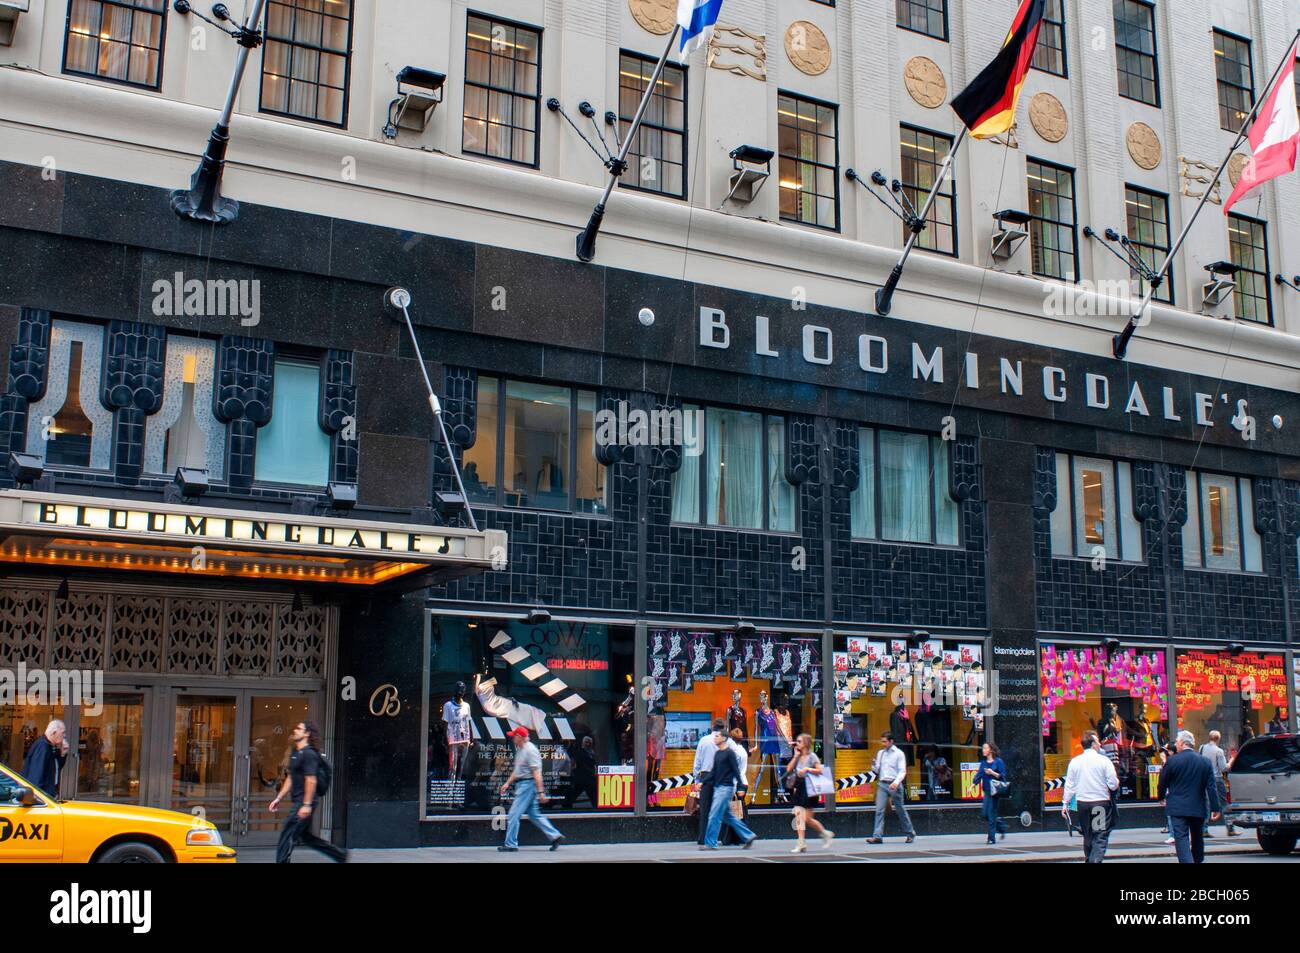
<point>1269,756</point>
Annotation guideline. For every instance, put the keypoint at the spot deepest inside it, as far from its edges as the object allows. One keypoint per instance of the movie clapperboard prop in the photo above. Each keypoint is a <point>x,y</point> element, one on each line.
<point>855,780</point>
<point>553,687</point>
<point>554,728</point>
<point>1053,784</point>
<point>671,784</point>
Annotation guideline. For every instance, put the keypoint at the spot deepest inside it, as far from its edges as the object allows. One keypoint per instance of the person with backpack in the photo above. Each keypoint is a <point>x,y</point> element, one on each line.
<point>991,781</point>
<point>307,782</point>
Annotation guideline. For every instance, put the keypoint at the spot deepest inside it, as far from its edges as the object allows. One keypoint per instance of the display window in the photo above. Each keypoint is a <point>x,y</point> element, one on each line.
<point>1123,695</point>
<point>768,686</point>
<point>930,693</point>
<point>1238,695</point>
<point>568,683</point>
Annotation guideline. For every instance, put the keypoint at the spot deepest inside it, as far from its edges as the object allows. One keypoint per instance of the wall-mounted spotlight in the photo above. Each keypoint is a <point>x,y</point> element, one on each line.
<point>25,467</point>
<point>1110,645</point>
<point>342,496</point>
<point>419,91</point>
<point>752,165</point>
<point>1223,281</point>
<point>1236,648</point>
<point>191,482</point>
<point>744,629</point>
<point>1012,230</point>
<point>538,616</point>
<point>9,10</point>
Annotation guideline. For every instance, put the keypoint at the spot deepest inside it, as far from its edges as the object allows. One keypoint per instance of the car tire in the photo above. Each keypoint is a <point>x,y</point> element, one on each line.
<point>1277,843</point>
<point>132,852</point>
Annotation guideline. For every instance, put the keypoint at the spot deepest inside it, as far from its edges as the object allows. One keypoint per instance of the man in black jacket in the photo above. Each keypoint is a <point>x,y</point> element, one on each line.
<point>1186,784</point>
<point>43,765</point>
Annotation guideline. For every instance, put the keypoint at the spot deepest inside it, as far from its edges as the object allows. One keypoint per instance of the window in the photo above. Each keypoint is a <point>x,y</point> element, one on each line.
<point>738,480</point>
<point>1220,529</point>
<point>766,688</point>
<point>923,153</point>
<point>902,493</point>
<point>809,158</point>
<point>307,59</point>
<point>1248,243</point>
<point>1052,237</point>
<point>69,426</point>
<point>1123,696</point>
<point>292,448</point>
<point>1094,510</point>
<point>1049,54</point>
<point>657,157</point>
<point>1236,79</point>
<point>924,16</point>
<point>1241,696</point>
<point>1148,234</point>
<point>184,432</point>
<point>930,695</point>
<point>529,439</point>
<point>568,683</point>
<point>116,39</point>
<point>1135,51</point>
<point>502,80</point>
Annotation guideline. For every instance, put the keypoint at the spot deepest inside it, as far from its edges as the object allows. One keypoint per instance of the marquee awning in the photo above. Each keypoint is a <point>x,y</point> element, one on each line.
<point>92,532</point>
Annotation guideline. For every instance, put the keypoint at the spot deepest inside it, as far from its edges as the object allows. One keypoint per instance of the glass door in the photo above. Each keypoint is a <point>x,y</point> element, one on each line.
<point>204,755</point>
<point>110,749</point>
<point>271,720</point>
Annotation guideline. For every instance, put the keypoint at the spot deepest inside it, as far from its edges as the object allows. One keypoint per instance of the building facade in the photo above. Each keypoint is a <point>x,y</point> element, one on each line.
<point>704,478</point>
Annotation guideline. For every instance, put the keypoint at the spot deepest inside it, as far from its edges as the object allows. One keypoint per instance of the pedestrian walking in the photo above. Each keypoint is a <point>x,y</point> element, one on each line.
<point>530,793</point>
<point>705,752</point>
<point>1091,778</point>
<point>306,782</point>
<point>1186,785</point>
<point>46,756</point>
<point>1218,759</point>
<point>890,768</point>
<point>729,837</point>
<point>804,765</point>
<point>991,780</point>
<point>725,774</point>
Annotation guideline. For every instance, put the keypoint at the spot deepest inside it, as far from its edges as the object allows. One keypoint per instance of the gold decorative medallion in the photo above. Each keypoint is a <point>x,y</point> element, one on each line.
<point>924,81</point>
<point>1048,117</point>
<point>1236,166</point>
<point>1143,145</point>
<point>654,16</point>
<point>807,48</point>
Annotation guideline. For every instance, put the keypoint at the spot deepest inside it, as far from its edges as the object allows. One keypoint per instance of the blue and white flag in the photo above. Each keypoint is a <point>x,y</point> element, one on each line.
<point>696,18</point>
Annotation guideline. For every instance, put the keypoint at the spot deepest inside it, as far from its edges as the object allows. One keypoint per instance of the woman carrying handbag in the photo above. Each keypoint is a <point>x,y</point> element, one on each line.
<point>991,779</point>
<point>811,781</point>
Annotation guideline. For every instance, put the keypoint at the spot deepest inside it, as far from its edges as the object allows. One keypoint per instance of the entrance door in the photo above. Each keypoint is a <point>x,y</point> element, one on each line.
<point>111,748</point>
<point>205,749</point>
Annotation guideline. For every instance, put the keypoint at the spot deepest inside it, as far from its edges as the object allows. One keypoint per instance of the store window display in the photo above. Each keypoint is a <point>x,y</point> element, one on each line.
<point>1240,696</point>
<point>766,686</point>
<point>568,683</point>
<point>1123,695</point>
<point>930,694</point>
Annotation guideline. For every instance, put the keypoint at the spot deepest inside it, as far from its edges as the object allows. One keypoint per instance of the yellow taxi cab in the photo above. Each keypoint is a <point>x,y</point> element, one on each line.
<point>36,828</point>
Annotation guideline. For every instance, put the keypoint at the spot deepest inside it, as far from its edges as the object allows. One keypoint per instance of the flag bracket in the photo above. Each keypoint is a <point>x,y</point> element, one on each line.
<point>888,199</point>
<point>1292,283</point>
<point>585,108</point>
<point>1129,256</point>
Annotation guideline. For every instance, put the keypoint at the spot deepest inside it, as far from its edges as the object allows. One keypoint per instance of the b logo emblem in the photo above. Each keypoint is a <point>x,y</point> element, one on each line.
<point>384,701</point>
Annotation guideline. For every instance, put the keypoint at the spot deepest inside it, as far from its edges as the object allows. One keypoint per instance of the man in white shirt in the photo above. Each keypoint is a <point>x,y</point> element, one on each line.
<point>890,768</point>
<point>703,768</point>
<point>1092,779</point>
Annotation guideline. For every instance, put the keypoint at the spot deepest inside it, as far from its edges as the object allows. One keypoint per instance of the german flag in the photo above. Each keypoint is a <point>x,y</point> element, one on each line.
<point>988,105</point>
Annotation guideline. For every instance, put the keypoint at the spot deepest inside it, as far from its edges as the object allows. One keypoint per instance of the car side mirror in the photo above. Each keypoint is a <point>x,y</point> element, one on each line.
<point>25,796</point>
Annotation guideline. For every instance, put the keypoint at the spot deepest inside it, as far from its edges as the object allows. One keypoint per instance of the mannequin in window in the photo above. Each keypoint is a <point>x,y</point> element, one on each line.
<point>785,729</point>
<point>737,717</point>
<point>623,718</point>
<point>459,731</point>
<point>655,744</point>
<point>903,729</point>
<point>768,750</point>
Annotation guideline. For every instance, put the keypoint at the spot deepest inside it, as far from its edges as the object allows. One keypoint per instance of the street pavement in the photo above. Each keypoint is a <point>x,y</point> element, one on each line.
<point>1142,845</point>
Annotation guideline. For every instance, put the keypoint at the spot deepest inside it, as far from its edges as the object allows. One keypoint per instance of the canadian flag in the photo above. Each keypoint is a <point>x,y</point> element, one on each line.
<point>1274,135</point>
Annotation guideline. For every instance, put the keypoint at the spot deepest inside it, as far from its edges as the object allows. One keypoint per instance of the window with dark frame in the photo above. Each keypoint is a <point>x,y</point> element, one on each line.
<point>924,16</point>
<point>120,40</point>
<point>1135,51</point>
<point>307,59</point>
<point>1148,234</point>
<point>808,153</point>
<point>1049,54</point>
<point>1235,79</point>
<point>1053,237</point>
<point>1248,243</point>
<point>1094,510</point>
<point>921,156</point>
<point>657,157</point>
<point>902,494</point>
<point>1220,530</point>
<point>502,90</point>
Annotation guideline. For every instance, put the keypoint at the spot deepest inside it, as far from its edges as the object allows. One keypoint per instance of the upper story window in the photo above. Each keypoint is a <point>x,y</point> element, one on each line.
<point>924,16</point>
<point>902,493</point>
<point>1053,240</point>
<point>922,155</point>
<point>808,147</point>
<point>1094,510</point>
<point>1248,243</point>
<point>185,432</point>
<point>1220,529</point>
<point>1148,233</point>
<point>292,448</point>
<point>657,157</point>
<point>1135,51</point>
<point>535,448</point>
<point>69,426</point>
<point>307,58</point>
<point>116,39</point>
<point>1235,78</point>
<point>735,476</point>
<point>502,89</point>
<point>1049,54</point>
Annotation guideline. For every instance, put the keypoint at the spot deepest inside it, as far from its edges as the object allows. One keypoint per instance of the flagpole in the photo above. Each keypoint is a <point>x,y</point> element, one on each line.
<point>586,245</point>
<point>885,295</point>
<point>1121,341</point>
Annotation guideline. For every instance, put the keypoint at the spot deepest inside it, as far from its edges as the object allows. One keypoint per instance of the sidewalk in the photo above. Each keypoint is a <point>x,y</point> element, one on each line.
<point>943,849</point>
